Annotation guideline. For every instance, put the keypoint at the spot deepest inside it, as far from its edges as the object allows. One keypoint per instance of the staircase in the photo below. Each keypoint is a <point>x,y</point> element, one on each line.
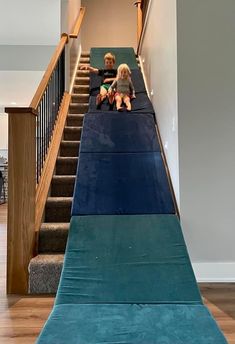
<point>45,268</point>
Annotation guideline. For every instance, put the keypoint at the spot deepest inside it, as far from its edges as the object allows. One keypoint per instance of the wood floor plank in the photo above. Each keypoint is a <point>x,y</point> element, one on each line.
<point>22,318</point>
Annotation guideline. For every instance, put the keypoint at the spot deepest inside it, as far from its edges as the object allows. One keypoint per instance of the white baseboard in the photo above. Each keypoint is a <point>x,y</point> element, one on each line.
<point>214,272</point>
<point>75,70</point>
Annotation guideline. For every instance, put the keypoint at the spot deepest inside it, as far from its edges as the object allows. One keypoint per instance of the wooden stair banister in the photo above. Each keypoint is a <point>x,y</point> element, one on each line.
<point>31,166</point>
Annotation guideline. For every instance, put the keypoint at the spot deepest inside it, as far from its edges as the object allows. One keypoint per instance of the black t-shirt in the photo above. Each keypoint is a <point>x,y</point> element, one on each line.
<point>107,73</point>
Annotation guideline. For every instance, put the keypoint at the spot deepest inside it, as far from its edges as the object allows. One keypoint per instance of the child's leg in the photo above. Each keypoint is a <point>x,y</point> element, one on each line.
<point>101,96</point>
<point>127,102</point>
<point>118,99</point>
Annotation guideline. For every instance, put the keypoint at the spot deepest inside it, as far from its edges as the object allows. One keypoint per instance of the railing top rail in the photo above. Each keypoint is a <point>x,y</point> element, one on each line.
<point>77,26</point>
<point>51,67</point>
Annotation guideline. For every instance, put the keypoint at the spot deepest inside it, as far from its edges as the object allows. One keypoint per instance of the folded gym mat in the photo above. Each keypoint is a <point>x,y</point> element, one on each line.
<point>119,133</point>
<point>123,183</point>
<point>127,259</point>
<point>134,324</point>
<point>136,76</point>
<point>122,55</point>
<point>141,104</point>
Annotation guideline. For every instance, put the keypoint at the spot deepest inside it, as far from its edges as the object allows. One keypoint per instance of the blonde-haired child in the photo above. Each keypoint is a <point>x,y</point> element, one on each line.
<point>108,74</point>
<point>123,87</point>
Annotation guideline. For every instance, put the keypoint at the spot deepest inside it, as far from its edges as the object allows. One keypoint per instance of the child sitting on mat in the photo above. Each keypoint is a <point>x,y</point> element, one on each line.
<point>108,74</point>
<point>123,87</point>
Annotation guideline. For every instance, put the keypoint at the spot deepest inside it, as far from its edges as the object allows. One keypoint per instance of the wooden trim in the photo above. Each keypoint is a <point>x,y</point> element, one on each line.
<point>21,200</point>
<point>22,110</point>
<point>139,20</point>
<point>46,78</point>
<point>167,171</point>
<point>77,26</point>
<point>49,165</point>
<point>144,24</point>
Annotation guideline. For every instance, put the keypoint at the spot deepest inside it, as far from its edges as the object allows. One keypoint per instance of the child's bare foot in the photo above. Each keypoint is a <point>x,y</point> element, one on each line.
<point>120,109</point>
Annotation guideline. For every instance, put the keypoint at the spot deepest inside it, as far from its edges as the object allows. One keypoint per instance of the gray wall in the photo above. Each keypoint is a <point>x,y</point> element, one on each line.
<point>109,23</point>
<point>206,95</point>
<point>193,83</point>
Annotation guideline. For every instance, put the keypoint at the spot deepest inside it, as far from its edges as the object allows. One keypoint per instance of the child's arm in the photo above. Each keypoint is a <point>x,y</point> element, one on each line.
<point>90,68</point>
<point>132,90</point>
<point>108,80</point>
<point>113,86</point>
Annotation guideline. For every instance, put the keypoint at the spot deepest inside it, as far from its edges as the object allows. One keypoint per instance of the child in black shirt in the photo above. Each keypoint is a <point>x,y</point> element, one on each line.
<point>108,74</point>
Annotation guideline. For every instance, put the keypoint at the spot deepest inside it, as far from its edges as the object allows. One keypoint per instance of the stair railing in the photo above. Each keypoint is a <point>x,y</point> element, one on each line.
<point>35,133</point>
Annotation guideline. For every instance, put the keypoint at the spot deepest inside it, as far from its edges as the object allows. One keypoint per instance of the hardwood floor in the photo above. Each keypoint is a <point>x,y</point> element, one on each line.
<point>21,318</point>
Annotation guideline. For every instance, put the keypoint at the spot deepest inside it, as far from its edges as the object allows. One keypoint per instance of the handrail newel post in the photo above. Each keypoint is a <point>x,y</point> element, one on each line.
<point>21,202</point>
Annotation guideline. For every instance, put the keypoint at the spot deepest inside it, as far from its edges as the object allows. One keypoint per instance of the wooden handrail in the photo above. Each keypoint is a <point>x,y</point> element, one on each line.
<point>46,78</point>
<point>78,23</point>
<point>139,19</point>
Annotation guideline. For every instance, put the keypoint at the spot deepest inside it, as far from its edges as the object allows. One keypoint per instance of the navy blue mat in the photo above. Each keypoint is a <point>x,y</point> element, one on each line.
<point>134,324</point>
<point>127,259</point>
<point>122,55</point>
<point>125,183</point>
<point>136,76</point>
<point>120,132</point>
<point>141,104</point>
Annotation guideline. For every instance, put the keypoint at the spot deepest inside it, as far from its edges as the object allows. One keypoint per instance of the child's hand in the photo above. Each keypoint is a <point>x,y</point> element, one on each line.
<point>84,67</point>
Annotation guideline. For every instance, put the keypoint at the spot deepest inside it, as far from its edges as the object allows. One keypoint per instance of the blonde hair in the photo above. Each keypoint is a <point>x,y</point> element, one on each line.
<point>121,68</point>
<point>109,56</point>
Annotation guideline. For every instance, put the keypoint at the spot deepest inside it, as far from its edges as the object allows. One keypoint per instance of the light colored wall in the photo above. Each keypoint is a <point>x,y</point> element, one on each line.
<point>69,13</point>
<point>3,132</point>
<point>206,92</point>
<point>28,22</point>
<point>159,57</point>
<point>109,23</point>
<point>199,90</point>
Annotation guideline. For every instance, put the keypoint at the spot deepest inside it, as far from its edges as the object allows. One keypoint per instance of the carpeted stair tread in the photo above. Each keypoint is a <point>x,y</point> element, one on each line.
<point>58,209</point>
<point>81,89</point>
<point>75,119</point>
<point>78,107</point>
<point>66,165</point>
<point>69,148</point>
<point>72,133</point>
<point>82,72</point>
<point>62,185</point>
<point>85,59</point>
<point>44,273</point>
<point>80,98</point>
<point>53,237</point>
<point>82,80</point>
<point>85,54</point>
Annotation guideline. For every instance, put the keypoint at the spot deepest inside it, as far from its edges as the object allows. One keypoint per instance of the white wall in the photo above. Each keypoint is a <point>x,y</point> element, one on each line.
<point>200,90</point>
<point>109,23</point>
<point>28,22</point>
<point>159,56</point>
<point>206,91</point>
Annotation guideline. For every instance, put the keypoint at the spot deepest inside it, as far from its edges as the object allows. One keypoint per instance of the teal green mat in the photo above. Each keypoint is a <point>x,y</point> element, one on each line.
<point>127,259</point>
<point>131,324</point>
<point>123,55</point>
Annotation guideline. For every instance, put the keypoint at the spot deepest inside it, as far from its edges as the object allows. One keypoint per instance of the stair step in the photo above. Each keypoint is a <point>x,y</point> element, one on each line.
<point>53,237</point>
<point>81,89</point>
<point>66,165</point>
<point>44,273</point>
<point>75,120</point>
<point>72,133</point>
<point>62,186</point>
<point>85,54</point>
<point>58,209</point>
<point>80,98</point>
<point>78,107</point>
<point>69,148</point>
<point>82,80</point>
<point>84,59</point>
<point>83,73</point>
